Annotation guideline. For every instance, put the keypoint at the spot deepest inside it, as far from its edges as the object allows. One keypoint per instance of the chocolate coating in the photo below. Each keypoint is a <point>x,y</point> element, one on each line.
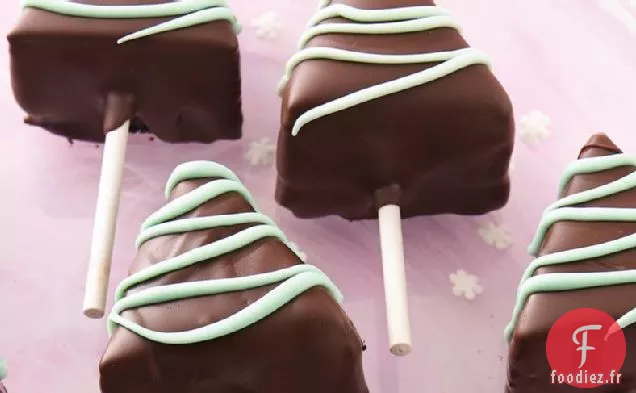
<point>528,368</point>
<point>309,345</point>
<point>446,144</point>
<point>182,85</point>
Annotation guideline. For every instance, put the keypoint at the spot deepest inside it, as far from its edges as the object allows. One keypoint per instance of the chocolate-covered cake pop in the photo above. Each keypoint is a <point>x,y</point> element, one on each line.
<point>218,301</point>
<point>94,70</point>
<point>388,113</point>
<point>387,95</point>
<point>586,258</point>
<point>82,68</point>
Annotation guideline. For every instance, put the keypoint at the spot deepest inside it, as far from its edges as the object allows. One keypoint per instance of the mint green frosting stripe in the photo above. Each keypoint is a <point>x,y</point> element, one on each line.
<point>372,22</point>
<point>580,254</point>
<point>201,254</point>
<point>563,210</point>
<point>593,165</point>
<point>201,223</point>
<point>410,26</point>
<point>197,170</point>
<point>192,200</point>
<point>190,20</point>
<point>555,282</point>
<point>4,370</point>
<point>624,184</point>
<point>71,8</point>
<point>383,15</point>
<point>292,281</point>
<point>188,12</point>
<point>391,87</point>
<point>314,53</point>
<point>578,214</point>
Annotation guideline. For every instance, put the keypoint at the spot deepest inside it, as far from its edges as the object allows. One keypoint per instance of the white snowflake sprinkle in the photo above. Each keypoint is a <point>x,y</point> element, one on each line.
<point>465,284</point>
<point>294,247</point>
<point>534,127</point>
<point>267,25</point>
<point>496,235</point>
<point>261,152</point>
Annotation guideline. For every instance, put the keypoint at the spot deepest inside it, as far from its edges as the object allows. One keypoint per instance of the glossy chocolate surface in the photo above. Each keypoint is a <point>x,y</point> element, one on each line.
<point>182,85</point>
<point>528,368</point>
<point>446,145</point>
<point>308,346</point>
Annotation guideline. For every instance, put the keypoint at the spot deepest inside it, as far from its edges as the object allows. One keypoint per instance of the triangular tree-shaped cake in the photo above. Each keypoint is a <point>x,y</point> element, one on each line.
<point>218,301</point>
<point>586,258</point>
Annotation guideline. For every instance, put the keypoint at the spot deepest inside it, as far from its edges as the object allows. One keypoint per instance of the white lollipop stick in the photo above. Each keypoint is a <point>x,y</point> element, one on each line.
<point>394,280</point>
<point>105,222</point>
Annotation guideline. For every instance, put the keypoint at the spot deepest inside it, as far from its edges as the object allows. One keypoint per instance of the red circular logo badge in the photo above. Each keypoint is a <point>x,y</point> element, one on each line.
<point>585,349</point>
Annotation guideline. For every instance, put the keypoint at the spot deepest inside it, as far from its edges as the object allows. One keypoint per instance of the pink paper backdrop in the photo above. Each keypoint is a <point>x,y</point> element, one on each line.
<point>569,68</point>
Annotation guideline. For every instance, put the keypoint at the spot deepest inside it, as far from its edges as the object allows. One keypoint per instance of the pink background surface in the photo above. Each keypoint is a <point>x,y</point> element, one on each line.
<point>565,58</point>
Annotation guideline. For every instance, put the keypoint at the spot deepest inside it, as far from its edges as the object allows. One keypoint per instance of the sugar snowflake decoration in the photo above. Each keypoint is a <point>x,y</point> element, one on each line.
<point>294,247</point>
<point>267,25</point>
<point>496,235</point>
<point>261,152</point>
<point>465,284</point>
<point>534,126</point>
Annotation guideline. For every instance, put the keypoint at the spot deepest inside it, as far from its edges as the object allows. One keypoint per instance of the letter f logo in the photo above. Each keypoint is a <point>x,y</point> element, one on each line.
<point>583,343</point>
<point>590,339</point>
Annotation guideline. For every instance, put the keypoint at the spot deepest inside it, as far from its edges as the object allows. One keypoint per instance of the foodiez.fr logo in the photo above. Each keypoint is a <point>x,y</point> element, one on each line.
<point>586,349</point>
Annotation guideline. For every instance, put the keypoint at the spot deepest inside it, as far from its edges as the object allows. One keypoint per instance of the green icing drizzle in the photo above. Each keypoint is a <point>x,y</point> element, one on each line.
<point>188,13</point>
<point>387,21</point>
<point>563,210</point>
<point>292,281</point>
<point>3,369</point>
